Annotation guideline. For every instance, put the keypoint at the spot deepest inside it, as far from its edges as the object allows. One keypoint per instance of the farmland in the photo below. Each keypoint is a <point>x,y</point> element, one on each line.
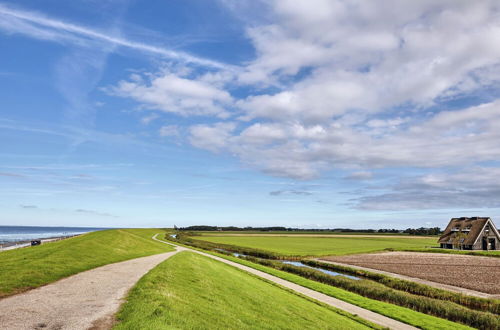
<point>482,272</point>
<point>321,246</point>
<point>189,291</point>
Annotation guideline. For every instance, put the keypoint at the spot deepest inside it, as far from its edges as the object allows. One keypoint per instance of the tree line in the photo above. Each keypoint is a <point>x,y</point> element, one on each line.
<point>409,231</point>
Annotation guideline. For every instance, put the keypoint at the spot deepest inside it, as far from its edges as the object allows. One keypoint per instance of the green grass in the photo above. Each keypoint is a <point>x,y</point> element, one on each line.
<point>189,291</point>
<point>403,314</point>
<point>305,232</point>
<point>27,268</point>
<point>317,246</point>
<point>399,313</point>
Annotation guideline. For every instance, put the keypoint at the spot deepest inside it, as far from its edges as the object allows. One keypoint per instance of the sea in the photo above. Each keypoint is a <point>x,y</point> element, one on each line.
<point>10,234</point>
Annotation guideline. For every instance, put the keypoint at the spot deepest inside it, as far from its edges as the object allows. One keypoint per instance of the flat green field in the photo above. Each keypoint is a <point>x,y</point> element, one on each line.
<point>304,232</point>
<point>30,267</point>
<point>318,246</point>
<point>189,291</point>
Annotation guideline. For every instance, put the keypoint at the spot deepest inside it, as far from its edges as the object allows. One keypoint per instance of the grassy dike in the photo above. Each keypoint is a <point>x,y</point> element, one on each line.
<point>403,314</point>
<point>31,267</point>
<point>189,291</point>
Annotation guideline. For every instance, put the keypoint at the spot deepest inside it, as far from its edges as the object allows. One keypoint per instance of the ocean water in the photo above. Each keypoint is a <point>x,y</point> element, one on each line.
<point>10,234</point>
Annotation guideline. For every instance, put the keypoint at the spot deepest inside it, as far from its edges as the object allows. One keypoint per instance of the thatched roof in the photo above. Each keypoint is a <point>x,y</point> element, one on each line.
<point>464,231</point>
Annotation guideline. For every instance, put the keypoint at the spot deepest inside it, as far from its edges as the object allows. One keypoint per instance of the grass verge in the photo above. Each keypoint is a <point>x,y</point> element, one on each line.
<point>189,291</point>
<point>31,267</point>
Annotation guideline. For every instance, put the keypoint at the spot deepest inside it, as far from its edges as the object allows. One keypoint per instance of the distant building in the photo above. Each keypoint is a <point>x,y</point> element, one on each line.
<point>474,233</point>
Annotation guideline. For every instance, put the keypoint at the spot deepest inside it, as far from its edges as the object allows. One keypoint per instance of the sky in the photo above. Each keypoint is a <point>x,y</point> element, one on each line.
<point>309,114</point>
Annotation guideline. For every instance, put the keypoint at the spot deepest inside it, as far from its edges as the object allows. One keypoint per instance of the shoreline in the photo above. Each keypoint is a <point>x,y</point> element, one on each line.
<point>26,243</point>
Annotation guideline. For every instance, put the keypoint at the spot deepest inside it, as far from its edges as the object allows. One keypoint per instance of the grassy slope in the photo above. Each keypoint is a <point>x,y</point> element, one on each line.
<point>31,267</point>
<point>189,291</point>
<point>399,313</point>
<point>316,246</point>
<point>406,315</point>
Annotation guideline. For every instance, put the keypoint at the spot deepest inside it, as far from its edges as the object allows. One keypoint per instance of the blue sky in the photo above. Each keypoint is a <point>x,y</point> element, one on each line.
<point>253,113</point>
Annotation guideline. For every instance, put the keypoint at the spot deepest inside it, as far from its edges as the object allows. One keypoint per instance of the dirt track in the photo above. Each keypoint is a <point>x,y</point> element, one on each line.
<point>471,272</point>
<point>87,300</point>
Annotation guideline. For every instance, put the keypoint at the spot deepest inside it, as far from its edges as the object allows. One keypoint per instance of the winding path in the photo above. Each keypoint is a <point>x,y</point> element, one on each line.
<point>350,308</point>
<point>88,300</point>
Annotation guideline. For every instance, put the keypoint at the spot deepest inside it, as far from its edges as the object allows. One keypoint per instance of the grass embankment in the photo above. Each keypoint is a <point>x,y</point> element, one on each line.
<point>31,267</point>
<point>320,246</point>
<point>189,291</point>
<point>442,308</point>
<point>399,313</point>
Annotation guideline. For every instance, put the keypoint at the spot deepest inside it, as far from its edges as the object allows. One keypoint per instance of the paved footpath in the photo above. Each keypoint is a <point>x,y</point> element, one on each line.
<point>353,309</point>
<point>88,300</point>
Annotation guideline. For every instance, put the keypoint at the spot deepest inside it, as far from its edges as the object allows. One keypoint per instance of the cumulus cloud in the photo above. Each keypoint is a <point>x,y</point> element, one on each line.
<point>476,187</point>
<point>212,137</point>
<point>175,91</point>
<point>352,87</point>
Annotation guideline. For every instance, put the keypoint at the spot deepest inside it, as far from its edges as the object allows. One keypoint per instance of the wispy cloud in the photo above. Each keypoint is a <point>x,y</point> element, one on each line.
<point>12,175</point>
<point>23,206</point>
<point>43,27</point>
<point>290,192</point>
<point>92,212</point>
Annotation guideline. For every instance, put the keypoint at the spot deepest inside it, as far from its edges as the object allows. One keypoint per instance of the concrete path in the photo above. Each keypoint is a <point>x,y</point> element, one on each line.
<point>353,309</point>
<point>443,286</point>
<point>88,300</point>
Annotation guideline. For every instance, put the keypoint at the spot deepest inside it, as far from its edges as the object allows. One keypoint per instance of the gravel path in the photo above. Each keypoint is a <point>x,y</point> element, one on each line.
<point>353,309</point>
<point>471,275</point>
<point>87,300</point>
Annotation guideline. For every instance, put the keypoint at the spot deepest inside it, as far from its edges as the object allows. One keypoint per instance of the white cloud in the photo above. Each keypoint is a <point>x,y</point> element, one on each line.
<point>169,130</point>
<point>174,91</point>
<point>472,187</point>
<point>346,85</point>
<point>211,137</point>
